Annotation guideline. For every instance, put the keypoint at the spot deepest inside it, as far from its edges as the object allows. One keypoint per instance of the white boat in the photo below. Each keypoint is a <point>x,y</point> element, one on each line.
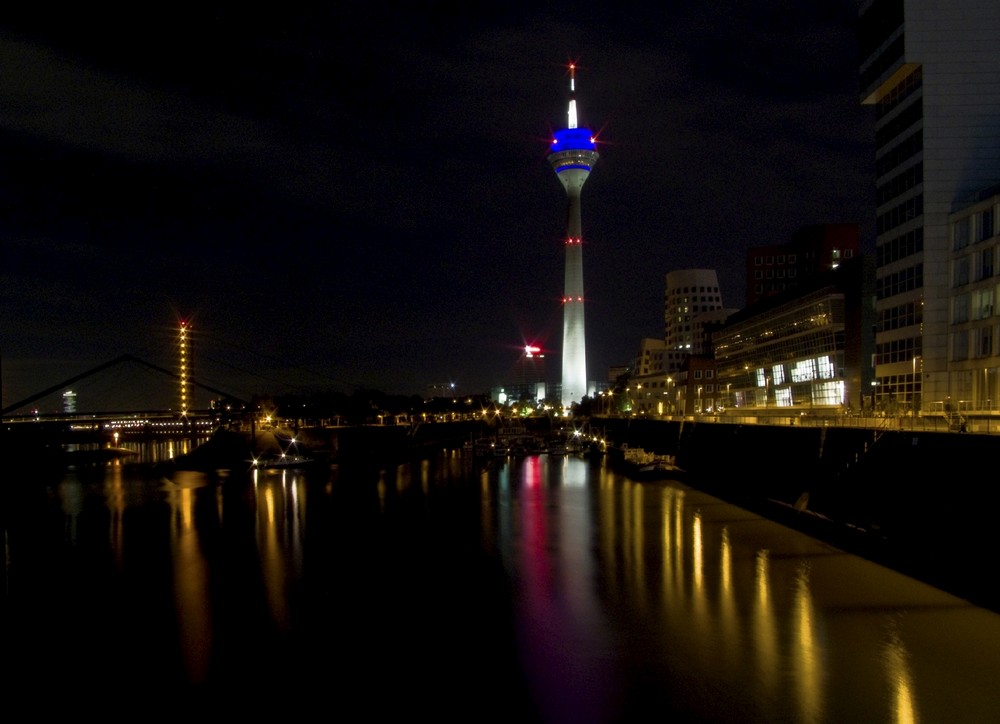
<point>640,464</point>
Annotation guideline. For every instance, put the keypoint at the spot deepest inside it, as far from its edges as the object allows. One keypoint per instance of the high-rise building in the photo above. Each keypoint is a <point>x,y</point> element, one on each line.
<point>572,154</point>
<point>529,375</point>
<point>692,301</point>
<point>931,70</point>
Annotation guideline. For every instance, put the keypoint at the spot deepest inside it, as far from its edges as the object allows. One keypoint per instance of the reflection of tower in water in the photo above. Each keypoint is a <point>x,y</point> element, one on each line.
<point>572,154</point>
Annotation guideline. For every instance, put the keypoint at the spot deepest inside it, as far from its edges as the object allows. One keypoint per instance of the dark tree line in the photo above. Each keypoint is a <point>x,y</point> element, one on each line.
<point>368,406</point>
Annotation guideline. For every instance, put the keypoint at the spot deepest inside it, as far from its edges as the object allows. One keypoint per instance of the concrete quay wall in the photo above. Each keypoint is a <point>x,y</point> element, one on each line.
<point>925,503</point>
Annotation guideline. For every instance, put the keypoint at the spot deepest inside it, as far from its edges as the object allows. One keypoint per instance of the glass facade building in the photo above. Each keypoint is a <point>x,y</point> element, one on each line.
<point>931,72</point>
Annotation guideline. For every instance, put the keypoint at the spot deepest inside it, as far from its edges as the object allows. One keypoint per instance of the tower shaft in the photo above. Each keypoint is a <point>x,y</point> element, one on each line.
<point>574,357</point>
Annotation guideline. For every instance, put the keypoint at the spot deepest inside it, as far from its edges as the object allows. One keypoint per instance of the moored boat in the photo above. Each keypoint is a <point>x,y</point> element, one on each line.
<point>280,461</point>
<point>640,464</point>
<point>483,446</point>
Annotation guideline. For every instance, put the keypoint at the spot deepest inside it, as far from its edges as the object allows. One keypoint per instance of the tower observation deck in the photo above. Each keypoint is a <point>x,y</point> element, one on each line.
<point>572,154</point>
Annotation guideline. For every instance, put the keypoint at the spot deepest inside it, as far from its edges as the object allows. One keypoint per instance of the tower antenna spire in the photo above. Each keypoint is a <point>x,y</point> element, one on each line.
<point>572,120</point>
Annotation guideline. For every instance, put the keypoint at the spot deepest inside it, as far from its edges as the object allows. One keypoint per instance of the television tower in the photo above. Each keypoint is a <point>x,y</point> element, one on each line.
<point>572,154</point>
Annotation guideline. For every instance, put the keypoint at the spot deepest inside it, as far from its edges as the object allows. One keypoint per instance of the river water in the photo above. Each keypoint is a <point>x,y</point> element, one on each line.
<point>535,589</point>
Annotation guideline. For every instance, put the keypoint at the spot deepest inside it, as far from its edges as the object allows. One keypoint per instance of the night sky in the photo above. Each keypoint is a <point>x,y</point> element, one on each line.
<point>358,197</point>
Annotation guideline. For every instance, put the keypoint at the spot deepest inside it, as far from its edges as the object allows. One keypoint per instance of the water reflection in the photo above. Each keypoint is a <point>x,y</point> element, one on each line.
<point>190,575</point>
<point>625,598</point>
<point>903,707</point>
<point>558,604</point>
<point>731,613</point>
<point>281,498</point>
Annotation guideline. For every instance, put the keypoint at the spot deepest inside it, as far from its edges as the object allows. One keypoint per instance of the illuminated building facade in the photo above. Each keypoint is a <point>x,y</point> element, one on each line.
<point>572,155</point>
<point>802,351</point>
<point>931,72</point>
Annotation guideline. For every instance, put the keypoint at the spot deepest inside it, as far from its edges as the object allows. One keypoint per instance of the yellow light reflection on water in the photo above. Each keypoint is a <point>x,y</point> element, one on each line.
<point>764,629</point>
<point>698,551</point>
<point>281,509</point>
<point>903,701</point>
<point>191,599</point>
<point>806,650</point>
<point>726,565</point>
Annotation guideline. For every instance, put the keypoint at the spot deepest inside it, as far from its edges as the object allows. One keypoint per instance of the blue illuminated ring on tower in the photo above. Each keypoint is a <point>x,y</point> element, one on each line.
<point>573,139</point>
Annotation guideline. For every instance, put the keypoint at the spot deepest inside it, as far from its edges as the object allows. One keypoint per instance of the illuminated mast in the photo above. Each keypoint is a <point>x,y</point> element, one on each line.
<point>572,154</point>
<point>184,367</point>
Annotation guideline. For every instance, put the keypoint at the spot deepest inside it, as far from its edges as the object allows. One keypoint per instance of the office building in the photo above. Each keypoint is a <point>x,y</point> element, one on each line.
<point>692,303</point>
<point>529,376</point>
<point>812,250</point>
<point>931,72</point>
<point>974,350</point>
<point>806,350</point>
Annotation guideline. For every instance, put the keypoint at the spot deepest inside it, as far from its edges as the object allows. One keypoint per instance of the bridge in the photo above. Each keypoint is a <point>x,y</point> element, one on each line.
<point>75,426</point>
